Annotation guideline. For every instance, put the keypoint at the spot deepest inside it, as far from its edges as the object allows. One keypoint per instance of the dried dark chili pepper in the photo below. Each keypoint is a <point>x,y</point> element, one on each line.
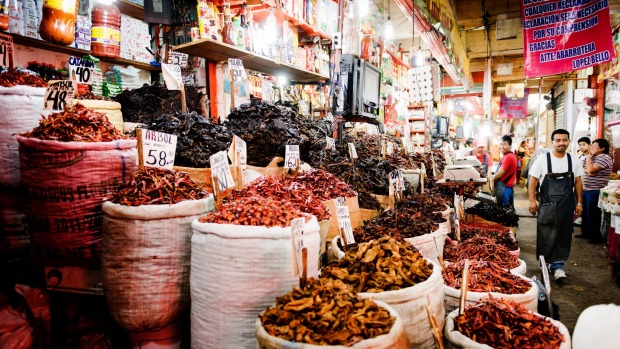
<point>14,77</point>
<point>256,211</point>
<point>400,224</point>
<point>485,277</point>
<point>76,124</point>
<point>157,186</point>
<point>502,323</point>
<point>423,202</point>
<point>504,215</point>
<point>480,248</point>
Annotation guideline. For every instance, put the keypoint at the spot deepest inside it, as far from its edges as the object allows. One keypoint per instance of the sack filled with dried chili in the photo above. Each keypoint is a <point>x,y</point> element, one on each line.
<point>235,272</point>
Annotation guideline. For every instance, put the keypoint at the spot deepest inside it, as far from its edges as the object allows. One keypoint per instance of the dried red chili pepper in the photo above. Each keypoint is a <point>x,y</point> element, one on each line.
<point>480,248</point>
<point>256,211</point>
<point>14,77</point>
<point>322,184</point>
<point>485,277</point>
<point>498,233</point>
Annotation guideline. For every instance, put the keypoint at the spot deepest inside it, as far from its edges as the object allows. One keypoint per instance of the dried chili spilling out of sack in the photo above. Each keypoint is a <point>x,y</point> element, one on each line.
<point>322,184</point>
<point>326,312</point>
<point>485,277</point>
<point>400,224</point>
<point>14,77</point>
<point>256,211</point>
<point>380,265</point>
<point>499,234</point>
<point>300,196</point>
<point>76,124</point>
<point>480,248</point>
<point>157,186</point>
<point>503,323</point>
<point>504,215</point>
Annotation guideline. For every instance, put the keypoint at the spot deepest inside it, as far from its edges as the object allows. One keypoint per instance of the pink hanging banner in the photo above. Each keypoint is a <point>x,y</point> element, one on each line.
<point>513,108</point>
<point>564,36</point>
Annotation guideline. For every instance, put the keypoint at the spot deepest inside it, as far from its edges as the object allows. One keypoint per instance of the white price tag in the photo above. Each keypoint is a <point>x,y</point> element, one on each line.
<point>297,232</point>
<point>172,76</point>
<point>158,6</point>
<point>390,148</point>
<point>406,133</point>
<point>330,143</point>
<point>178,58</point>
<point>238,146</point>
<point>158,148</point>
<point>352,151</point>
<point>220,168</point>
<point>6,51</point>
<point>330,117</point>
<point>266,89</point>
<point>59,94</point>
<point>236,68</point>
<point>397,180</point>
<point>81,70</point>
<point>457,230</point>
<point>344,221</point>
<point>291,156</point>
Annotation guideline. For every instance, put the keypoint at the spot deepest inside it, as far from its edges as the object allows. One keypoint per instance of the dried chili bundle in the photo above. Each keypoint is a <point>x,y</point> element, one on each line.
<point>297,194</point>
<point>401,224</point>
<point>326,312</point>
<point>157,186</point>
<point>485,277</point>
<point>503,323</point>
<point>380,265</point>
<point>256,211</point>
<point>13,77</point>
<point>480,248</point>
<point>499,234</point>
<point>322,184</point>
<point>76,124</point>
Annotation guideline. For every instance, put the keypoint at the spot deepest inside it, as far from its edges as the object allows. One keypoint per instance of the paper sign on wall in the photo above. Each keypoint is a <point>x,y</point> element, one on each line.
<point>220,168</point>
<point>158,148</point>
<point>172,76</point>
<point>236,69</point>
<point>6,51</point>
<point>59,94</point>
<point>81,70</point>
<point>291,156</point>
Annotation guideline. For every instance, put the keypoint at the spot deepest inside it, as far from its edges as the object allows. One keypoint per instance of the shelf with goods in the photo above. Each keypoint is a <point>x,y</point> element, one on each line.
<point>130,9</point>
<point>261,13</point>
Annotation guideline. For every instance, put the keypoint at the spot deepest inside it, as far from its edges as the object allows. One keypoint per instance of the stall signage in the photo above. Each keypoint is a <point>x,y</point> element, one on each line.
<point>6,51</point>
<point>344,221</point>
<point>221,170</point>
<point>291,156</point>
<point>158,148</point>
<point>297,232</point>
<point>172,76</point>
<point>237,71</point>
<point>81,70</point>
<point>513,108</point>
<point>352,151</point>
<point>266,89</point>
<point>397,181</point>
<point>59,94</point>
<point>564,36</point>
<point>178,58</point>
<point>238,146</point>
<point>330,143</point>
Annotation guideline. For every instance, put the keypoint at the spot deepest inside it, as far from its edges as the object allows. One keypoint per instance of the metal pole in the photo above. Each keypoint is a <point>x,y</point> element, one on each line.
<point>538,115</point>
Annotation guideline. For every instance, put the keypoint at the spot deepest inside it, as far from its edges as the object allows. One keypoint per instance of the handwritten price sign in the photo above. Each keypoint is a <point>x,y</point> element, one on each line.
<point>220,168</point>
<point>6,51</point>
<point>59,93</point>
<point>178,58</point>
<point>237,71</point>
<point>172,76</point>
<point>158,148</point>
<point>291,156</point>
<point>81,70</point>
<point>297,231</point>
<point>344,221</point>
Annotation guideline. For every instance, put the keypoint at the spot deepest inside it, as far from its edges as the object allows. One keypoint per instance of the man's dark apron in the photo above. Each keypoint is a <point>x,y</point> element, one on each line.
<point>555,213</point>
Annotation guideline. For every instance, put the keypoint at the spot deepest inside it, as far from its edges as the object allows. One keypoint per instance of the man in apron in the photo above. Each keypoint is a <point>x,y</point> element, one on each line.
<point>559,176</point>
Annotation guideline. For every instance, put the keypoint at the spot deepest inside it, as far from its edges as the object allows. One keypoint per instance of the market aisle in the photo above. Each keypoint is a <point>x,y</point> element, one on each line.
<point>588,269</point>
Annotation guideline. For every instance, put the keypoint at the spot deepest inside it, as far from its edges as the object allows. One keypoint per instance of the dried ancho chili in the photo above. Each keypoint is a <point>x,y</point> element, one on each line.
<point>76,124</point>
<point>14,77</point>
<point>322,184</point>
<point>157,186</point>
<point>423,202</point>
<point>504,215</point>
<point>256,211</point>
<point>380,265</point>
<point>499,234</point>
<point>485,277</point>
<point>326,312</point>
<point>480,248</point>
<point>502,323</point>
<point>400,224</point>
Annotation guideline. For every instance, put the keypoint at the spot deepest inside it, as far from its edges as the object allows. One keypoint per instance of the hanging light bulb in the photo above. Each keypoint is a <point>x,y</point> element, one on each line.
<point>388,32</point>
<point>363,8</point>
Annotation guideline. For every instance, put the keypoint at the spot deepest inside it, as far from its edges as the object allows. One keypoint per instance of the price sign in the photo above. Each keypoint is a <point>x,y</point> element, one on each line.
<point>352,151</point>
<point>238,146</point>
<point>406,133</point>
<point>178,58</point>
<point>297,232</point>
<point>172,76</point>
<point>383,151</point>
<point>330,143</point>
<point>330,117</point>
<point>266,89</point>
<point>291,156</point>
<point>220,168</point>
<point>397,180</point>
<point>344,221</point>
<point>237,71</point>
<point>157,149</point>
<point>81,70</point>
<point>6,51</point>
<point>390,148</point>
<point>59,94</point>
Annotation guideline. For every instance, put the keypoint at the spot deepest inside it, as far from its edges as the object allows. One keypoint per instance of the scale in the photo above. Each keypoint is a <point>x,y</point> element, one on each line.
<point>468,160</point>
<point>461,173</point>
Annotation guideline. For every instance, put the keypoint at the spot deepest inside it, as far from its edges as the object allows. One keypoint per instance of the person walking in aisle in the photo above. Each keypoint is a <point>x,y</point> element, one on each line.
<point>506,176</point>
<point>483,156</point>
<point>584,149</point>
<point>559,176</point>
<point>597,168</point>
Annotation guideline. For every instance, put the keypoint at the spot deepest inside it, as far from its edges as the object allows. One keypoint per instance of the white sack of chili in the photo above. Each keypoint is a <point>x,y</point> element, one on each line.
<point>146,261</point>
<point>64,184</point>
<point>236,271</point>
<point>431,245</point>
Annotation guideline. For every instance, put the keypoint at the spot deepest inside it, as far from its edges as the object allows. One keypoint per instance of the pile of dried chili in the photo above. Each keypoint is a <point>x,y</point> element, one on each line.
<point>380,265</point>
<point>76,124</point>
<point>480,248</point>
<point>502,323</point>
<point>326,312</point>
<point>423,202</point>
<point>157,186</point>
<point>90,95</point>
<point>256,211</point>
<point>280,188</point>
<point>499,234</point>
<point>401,224</point>
<point>485,277</point>
<point>322,184</point>
<point>504,215</point>
<point>13,77</point>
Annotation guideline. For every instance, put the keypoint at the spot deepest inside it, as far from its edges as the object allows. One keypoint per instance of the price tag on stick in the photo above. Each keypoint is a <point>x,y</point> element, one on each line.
<point>156,149</point>
<point>435,328</point>
<point>220,168</point>
<point>6,51</point>
<point>297,238</point>
<point>238,152</point>
<point>344,221</point>
<point>81,70</point>
<point>174,81</point>
<point>291,157</point>
<point>464,285</point>
<point>330,143</point>
<point>352,152</point>
<point>59,94</point>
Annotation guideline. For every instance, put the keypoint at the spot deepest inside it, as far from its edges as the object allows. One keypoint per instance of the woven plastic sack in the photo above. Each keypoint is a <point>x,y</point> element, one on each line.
<point>395,339</point>
<point>236,272</point>
<point>521,269</point>
<point>528,299</point>
<point>111,109</point>
<point>456,340</point>
<point>146,261</point>
<point>410,303</point>
<point>431,245</point>
<point>65,183</point>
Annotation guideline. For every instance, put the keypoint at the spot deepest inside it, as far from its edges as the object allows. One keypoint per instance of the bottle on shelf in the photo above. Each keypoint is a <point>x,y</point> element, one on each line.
<point>58,21</point>
<point>106,30</point>
<point>228,32</point>
<point>4,15</point>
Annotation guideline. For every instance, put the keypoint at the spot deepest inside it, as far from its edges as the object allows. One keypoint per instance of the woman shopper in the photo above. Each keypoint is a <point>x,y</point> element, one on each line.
<point>597,167</point>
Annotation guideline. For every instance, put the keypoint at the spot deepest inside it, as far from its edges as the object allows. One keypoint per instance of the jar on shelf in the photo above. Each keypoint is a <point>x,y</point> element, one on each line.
<point>106,30</point>
<point>366,47</point>
<point>58,21</point>
<point>228,36</point>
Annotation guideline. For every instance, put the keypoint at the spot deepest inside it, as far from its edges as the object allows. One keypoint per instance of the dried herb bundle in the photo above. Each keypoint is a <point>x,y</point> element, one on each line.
<point>76,124</point>
<point>485,277</point>
<point>504,215</point>
<point>400,224</point>
<point>499,234</point>
<point>326,312</point>
<point>480,248</point>
<point>322,184</point>
<point>157,186</point>
<point>256,211</point>
<point>380,265</point>
<point>502,323</point>
<point>13,77</point>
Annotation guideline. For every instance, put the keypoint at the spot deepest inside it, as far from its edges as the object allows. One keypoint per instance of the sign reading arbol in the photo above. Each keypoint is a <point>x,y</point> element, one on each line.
<point>564,36</point>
